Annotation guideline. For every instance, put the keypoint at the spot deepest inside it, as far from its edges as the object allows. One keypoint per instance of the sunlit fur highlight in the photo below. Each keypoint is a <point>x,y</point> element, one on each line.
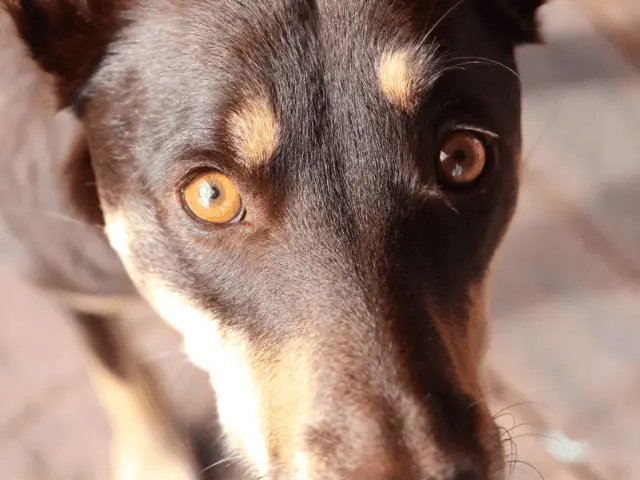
<point>404,75</point>
<point>223,353</point>
<point>254,131</point>
<point>140,445</point>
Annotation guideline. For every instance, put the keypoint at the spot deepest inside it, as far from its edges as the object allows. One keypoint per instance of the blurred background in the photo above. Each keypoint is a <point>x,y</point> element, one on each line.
<point>564,366</point>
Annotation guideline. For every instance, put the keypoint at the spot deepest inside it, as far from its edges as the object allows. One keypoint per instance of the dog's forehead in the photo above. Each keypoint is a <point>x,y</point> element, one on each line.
<point>266,38</point>
<point>258,62</point>
<point>307,83</point>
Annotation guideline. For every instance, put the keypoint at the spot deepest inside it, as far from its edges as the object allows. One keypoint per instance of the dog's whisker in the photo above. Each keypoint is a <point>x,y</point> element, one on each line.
<point>448,69</point>
<point>520,404</point>
<point>484,61</point>
<point>509,415</point>
<point>223,461</point>
<point>520,425</point>
<point>439,21</point>
<point>513,452</point>
<point>530,465</point>
<point>512,457</point>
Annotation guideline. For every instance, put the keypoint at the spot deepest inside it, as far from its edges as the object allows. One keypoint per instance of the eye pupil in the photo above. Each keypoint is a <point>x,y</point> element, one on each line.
<point>208,193</point>
<point>462,159</point>
<point>459,155</point>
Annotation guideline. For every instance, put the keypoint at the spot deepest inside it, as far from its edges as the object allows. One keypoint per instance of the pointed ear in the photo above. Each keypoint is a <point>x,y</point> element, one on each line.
<point>67,38</point>
<point>516,19</point>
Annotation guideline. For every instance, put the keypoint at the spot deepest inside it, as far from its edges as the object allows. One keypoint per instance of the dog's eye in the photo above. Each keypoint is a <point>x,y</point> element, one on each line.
<point>213,198</point>
<point>462,159</point>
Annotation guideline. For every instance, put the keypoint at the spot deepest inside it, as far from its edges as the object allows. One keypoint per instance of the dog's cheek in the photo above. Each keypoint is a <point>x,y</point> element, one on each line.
<point>118,236</point>
<point>479,319</point>
<point>222,353</point>
<point>465,333</point>
<point>225,355</point>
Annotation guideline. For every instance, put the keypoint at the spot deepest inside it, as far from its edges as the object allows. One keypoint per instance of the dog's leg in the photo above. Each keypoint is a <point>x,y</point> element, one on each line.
<point>146,444</point>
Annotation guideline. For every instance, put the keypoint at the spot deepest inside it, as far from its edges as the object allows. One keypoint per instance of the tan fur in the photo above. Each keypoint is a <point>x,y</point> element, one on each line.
<point>399,77</point>
<point>143,444</point>
<point>466,348</point>
<point>260,395</point>
<point>225,355</point>
<point>254,131</point>
<point>479,328</point>
<point>289,388</point>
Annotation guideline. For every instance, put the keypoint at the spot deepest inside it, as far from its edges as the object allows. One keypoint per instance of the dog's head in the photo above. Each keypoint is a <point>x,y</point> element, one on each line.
<point>312,192</point>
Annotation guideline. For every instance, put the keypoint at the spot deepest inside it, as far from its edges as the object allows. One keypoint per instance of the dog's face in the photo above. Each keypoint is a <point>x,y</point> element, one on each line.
<point>312,192</point>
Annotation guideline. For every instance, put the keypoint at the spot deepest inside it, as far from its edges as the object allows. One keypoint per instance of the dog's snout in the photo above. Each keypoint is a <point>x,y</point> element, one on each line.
<point>467,471</point>
<point>376,471</point>
<point>370,450</point>
<point>379,463</point>
<point>398,469</point>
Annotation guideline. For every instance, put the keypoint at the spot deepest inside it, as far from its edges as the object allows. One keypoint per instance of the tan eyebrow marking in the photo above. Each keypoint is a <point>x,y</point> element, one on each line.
<point>402,76</point>
<point>254,131</point>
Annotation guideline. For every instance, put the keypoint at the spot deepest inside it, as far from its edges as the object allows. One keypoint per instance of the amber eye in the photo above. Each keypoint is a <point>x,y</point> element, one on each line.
<point>213,198</point>
<point>462,159</point>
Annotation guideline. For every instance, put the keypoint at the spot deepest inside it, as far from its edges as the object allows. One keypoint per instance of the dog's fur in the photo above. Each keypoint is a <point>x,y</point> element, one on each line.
<point>343,321</point>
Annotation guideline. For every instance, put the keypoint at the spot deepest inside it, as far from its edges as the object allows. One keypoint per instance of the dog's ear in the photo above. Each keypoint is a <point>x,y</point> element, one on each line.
<point>67,38</point>
<point>516,19</point>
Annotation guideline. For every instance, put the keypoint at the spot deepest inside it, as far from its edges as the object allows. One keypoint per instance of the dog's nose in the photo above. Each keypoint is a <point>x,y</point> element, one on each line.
<point>373,448</point>
<point>462,473</point>
<point>384,467</point>
<point>466,474</point>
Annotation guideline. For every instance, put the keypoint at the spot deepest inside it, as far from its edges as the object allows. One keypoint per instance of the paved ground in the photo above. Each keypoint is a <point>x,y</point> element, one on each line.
<point>566,303</point>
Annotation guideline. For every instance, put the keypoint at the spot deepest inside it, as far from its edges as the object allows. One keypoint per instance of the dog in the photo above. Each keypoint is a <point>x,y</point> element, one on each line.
<point>311,192</point>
